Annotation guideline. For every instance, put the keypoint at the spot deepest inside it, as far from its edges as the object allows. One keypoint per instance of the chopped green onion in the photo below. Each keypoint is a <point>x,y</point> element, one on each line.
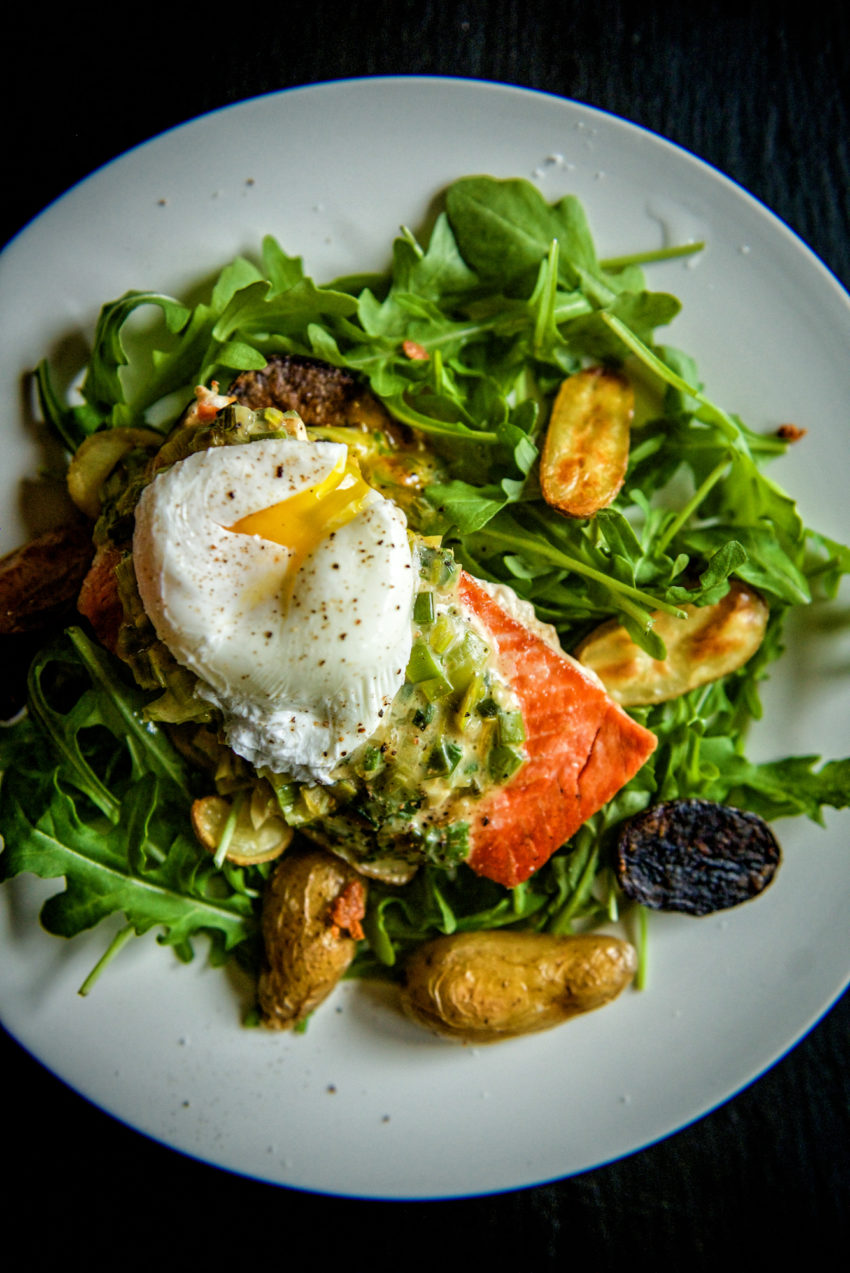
<point>423,716</point>
<point>423,608</point>
<point>371,760</point>
<point>465,660</point>
<point>511,728</point>
<point>443,635</point>
<point>229,828</point>
<point>422,664</point>
<point>504,762</point>
<point>445,758</point>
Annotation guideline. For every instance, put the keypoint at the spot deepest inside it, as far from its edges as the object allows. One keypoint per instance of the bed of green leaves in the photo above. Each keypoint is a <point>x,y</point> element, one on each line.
<point>93,793</point>
<point>505,295</point>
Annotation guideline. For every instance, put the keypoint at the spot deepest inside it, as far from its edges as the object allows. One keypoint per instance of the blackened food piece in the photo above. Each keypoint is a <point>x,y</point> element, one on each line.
<point>39,584</point>
<point>321,393</point>
<point>695,856</point>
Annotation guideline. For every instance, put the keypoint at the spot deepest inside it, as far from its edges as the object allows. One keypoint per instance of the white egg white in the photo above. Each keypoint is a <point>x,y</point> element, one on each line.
<point>302,658</point>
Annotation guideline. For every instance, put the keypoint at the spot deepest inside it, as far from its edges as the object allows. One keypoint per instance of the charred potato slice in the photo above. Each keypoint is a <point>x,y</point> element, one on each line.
<point>482,987</point>
<point>311,923</point>
<point>256,835</point>
<point>586,450</point>
<point>710,642</point>
<point>695,856</point>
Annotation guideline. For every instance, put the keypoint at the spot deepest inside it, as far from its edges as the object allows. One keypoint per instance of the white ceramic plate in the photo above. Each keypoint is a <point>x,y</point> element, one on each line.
<point>365,1104</point>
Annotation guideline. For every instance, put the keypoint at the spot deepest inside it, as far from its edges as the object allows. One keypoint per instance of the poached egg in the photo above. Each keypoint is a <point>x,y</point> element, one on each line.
<point>285,583</point>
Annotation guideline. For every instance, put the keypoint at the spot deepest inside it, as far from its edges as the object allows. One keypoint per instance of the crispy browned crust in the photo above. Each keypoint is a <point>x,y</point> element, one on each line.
<point>39,583</point>
<point>322,394</point>
<point>695,856</point>
<point>40,580</point>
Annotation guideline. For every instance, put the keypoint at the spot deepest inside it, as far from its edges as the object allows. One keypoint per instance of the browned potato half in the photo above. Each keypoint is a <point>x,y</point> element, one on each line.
<point>257,834</point>
<point>311,921</point>
<point>95,459</point>
<point>586,451</point>
<point>40,580</point>
<point>708,643</point>
<point>39,583</point>
<point>486,986</point>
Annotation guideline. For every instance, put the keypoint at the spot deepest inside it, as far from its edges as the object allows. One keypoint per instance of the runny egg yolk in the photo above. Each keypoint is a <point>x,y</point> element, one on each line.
<point>302,521</point>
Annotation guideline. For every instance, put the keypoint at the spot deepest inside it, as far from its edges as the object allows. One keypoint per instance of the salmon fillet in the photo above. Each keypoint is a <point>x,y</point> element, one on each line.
<point>582,747</point>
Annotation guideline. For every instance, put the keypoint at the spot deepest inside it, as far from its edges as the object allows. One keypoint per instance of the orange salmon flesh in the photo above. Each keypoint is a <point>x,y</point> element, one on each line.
<point>582,747</point>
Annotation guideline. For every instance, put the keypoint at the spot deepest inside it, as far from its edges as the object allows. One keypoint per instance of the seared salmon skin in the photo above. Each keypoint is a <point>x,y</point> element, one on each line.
<point>581,748</point>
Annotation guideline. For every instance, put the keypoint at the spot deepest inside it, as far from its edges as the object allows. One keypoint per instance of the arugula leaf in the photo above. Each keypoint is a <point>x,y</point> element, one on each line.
<point>465,507</point>
<point>557,898</point>
<point>789,787</point>
<point>178,893</point>
<point>102,385</point>
<point>95,793</point>
<point>503,298</point>
<point>109,702</point>
<point>503,228</point>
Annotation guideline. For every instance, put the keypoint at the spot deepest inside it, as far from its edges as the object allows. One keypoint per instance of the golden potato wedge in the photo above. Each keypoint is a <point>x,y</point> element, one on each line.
<point>95,459</point>
<point>257,836</point>
<point>482,987</point>
<point>708,643</point>
<point>311,920</point>
<point>586,450</point>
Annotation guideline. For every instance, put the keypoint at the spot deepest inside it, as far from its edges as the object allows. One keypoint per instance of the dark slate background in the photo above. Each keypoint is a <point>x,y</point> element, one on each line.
<point>760,91</point>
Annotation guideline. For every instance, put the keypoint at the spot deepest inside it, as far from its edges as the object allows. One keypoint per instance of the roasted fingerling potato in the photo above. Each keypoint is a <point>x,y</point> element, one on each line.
<point>586,448</point>
<point>481,987</point>
<point>311,923</point>
<point>709,642</point>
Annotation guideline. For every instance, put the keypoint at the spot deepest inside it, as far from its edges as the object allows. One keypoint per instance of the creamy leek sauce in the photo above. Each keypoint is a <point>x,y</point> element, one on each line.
<point>453,731</point>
